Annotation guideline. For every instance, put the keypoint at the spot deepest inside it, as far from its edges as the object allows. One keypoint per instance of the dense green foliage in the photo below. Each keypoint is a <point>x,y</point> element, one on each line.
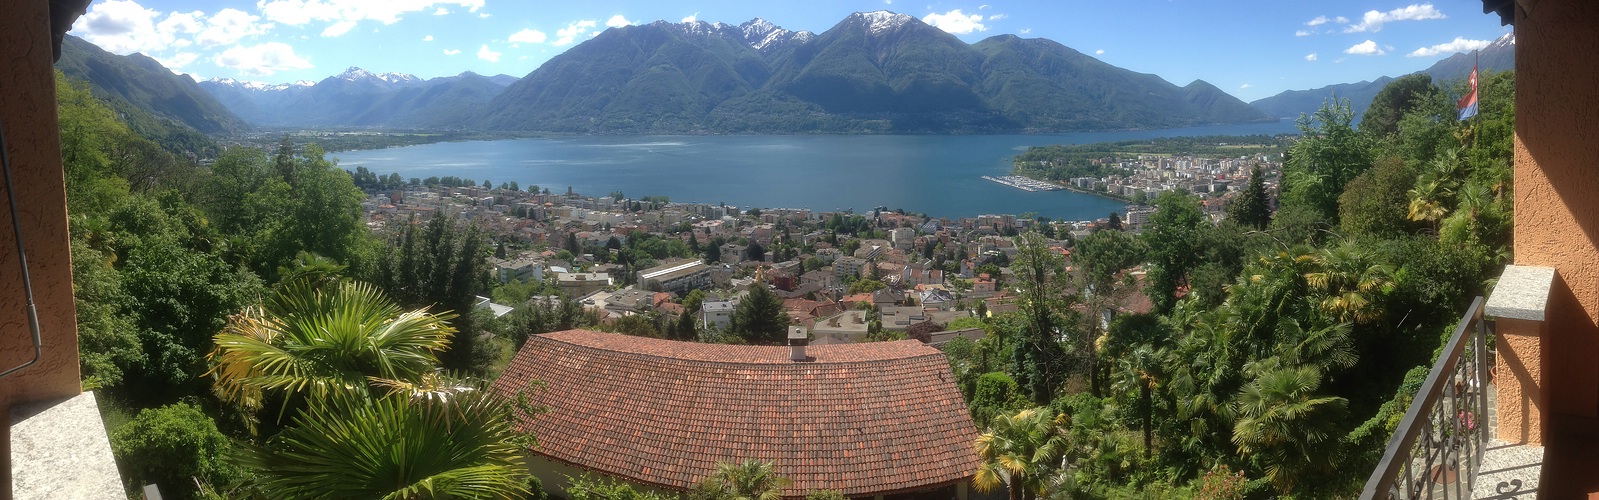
<point>442,265</point>
<point>1281,350</point>
<point>170,447</point>
<point>164,251</point>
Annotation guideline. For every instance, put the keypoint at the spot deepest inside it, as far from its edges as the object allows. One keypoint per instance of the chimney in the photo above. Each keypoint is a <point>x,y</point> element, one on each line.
<point>797,338</point>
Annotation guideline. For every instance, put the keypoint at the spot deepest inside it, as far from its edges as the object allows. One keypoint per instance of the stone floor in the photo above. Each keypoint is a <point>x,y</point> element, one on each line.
<point>1508,470</point>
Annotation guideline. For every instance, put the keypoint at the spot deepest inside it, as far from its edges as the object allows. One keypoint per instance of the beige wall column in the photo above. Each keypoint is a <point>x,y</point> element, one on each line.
<point>1519,304</point>
<point>28,109</point>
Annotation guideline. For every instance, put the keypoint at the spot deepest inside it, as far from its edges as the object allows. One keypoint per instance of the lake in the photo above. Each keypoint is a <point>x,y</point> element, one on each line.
<point>933,174</point>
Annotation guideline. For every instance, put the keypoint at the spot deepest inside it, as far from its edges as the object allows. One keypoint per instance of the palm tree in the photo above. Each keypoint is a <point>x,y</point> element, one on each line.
<point>1020,451</point>
<point>311,342</point>
<point>1143,369</point>
<point>1351,282</point>
<point>395,447</point>
<point>1284,426</point>
<point>748,480</point>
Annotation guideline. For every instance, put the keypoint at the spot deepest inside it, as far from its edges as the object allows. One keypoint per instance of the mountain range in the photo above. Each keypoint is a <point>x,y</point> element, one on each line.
<point>1497,56</point>
<point>167,108</point>
<point>359,98</point>
<point>872,72</point>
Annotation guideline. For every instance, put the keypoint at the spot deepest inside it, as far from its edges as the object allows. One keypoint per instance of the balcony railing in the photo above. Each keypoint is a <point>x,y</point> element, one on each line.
<point>1437,449</point>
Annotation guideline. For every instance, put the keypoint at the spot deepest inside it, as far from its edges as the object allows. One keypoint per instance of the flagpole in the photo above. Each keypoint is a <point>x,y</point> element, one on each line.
<point>1476,119</point>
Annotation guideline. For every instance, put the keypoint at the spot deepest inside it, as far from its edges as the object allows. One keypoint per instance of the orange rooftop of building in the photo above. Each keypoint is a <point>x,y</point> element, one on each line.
<point>865,419</point>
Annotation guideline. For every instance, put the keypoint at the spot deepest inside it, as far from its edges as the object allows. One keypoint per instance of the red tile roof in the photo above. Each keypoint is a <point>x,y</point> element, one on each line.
<point>863,419</point>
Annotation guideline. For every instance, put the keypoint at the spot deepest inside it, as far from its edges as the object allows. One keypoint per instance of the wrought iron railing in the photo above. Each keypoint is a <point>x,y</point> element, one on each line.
<point>1437,449</point>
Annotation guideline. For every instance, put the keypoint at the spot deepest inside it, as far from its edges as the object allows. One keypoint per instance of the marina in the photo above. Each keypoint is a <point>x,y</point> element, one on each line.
<point>1024,183</point>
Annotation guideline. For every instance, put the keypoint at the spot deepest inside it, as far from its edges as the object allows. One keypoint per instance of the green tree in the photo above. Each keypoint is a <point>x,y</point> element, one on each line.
<point>760,318</point>
<point>1376,203</point>
<point>1327,156</point>
<point>1038,361</point>
<point>442,265</point>
<point>1251,207</point>
<point>1020,451</point>
<point>1172,236</point>
<point>172,447</point>
<point>747,480</point>
<point>996,395</point>
<point>1393,101</point>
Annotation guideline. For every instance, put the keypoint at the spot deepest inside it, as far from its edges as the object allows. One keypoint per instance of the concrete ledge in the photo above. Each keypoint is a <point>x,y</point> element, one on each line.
<point>1522,293</point>
<point>59,449</point>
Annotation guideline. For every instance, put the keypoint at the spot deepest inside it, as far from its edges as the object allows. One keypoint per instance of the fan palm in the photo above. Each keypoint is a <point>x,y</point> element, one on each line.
<point>1351,282</point>
<point>1143,370</point>
<point>395,447</point>
<point>748,480</point>
<point>307,341</point>
<point>1286,427</point>
<point>1020,451</point>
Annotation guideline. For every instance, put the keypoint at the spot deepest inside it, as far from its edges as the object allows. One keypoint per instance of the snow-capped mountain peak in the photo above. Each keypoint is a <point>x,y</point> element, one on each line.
<point>399,78</point>
<point>355,74</point>
<point>762,34</point>
<point>882,21</point>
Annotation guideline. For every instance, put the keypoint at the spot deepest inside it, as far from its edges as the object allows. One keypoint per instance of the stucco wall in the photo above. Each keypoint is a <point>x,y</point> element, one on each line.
<point>1518,375</point>
<point>28,110</point>
<point>1557,187</point>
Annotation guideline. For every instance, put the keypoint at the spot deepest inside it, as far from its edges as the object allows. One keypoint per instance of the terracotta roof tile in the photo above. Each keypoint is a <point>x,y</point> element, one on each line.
<point>860,418</point>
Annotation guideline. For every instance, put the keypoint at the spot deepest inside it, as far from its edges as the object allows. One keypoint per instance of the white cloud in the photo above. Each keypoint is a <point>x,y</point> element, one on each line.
<point>528,36</point>
<point>956,22</point>
<point>1024,31</point>
<point>984,7</point>
<point>1311,57</point>
<point>338,28</point>
<point>120,27</point>
<point>187,23</point>
<point>1302,33</point>
<point>888,2</point>
<point>1244,86</point>
<point>451,52</point>
<point>178,60</point>
<point>1318,21</point>
<point>1341,20</point>
<point>428,38</point>
<point>1366,48</point>
<point>488,55</point>
<point>1459,44</point>
<point>617,21</point>
<point>441,12</point>
<point>228,26</point>
<point>1099,52</point>
<point>565,36</point>
<point>692,17</point>
<point>261,60</point>
<point>300,12</point>
<point>1373,20</point>
<point>484,15</point>
<point>997,17</point>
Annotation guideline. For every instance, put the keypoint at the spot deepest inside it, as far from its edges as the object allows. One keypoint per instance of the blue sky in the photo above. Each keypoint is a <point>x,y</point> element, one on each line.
<point>1252,49</point>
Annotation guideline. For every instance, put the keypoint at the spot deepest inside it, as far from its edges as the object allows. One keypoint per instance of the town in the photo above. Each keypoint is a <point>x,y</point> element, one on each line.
<point>843,276</point>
